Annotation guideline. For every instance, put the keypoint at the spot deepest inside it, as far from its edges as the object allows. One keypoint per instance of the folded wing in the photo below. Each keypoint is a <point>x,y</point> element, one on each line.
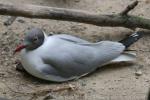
<point>76,57</point>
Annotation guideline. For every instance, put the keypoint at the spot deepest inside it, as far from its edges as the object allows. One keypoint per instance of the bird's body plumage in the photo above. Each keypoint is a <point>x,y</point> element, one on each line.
<point>64,57</point>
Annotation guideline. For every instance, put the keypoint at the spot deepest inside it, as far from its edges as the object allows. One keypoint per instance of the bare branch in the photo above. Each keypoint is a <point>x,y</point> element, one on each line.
<point>129,8</point>
<point>44,12</point>
<point>69,87</point>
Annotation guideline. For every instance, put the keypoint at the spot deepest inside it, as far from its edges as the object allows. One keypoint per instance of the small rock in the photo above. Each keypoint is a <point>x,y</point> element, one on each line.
<point>83,84</point>
<point>138,73</point>
<point>21,21</point>
<point>5,33</point>
<point>146,80</point>
<point>2,74</point>
<point>4,93</point>
<point>48,97</point>
<point>94,83</point>
<point>19,67</point>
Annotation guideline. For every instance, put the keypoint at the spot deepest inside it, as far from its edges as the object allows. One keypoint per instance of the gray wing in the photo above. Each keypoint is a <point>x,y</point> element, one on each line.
<point>77,59</point>
<point>108,51</point>
<point>50,73</point>
<point>71,38</point>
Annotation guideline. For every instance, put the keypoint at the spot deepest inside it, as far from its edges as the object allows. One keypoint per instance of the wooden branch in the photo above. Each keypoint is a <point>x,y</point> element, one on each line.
<point>129,8</point>
<point>44,12</point>
<point>44,91</point>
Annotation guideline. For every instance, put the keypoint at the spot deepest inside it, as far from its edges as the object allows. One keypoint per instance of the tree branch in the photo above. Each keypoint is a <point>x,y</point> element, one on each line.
<point>44,12</point>
<point>129,8</point>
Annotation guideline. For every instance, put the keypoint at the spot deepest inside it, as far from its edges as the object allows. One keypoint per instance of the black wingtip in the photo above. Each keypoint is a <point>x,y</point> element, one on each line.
<point>131,39</point>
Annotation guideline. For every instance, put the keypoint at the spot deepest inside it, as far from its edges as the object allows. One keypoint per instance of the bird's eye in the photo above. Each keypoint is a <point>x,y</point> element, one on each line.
<point>35,39</point>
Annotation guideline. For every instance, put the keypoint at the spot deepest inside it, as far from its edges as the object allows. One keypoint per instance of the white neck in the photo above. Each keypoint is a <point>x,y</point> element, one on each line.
<point>45,36</point>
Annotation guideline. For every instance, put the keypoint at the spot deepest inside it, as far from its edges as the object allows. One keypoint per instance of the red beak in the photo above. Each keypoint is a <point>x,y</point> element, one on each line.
<point>19,48</point>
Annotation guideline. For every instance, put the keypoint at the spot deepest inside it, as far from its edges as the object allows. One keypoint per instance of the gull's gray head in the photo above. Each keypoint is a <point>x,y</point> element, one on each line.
<point>34,38</point>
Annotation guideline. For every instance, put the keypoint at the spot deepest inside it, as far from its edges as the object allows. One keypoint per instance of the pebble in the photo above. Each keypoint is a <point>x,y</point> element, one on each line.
<point>48,97</point>
<point>21,21</point>
<point>83,84</point>
<point>138,73</point>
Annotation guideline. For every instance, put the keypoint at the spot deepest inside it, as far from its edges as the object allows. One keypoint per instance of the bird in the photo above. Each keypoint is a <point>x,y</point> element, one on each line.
<point>1,98</point>
<point>62,57</point>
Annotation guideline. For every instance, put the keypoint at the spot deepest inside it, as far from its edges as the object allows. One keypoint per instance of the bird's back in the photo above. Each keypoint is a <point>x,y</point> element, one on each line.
<point>72,57</point>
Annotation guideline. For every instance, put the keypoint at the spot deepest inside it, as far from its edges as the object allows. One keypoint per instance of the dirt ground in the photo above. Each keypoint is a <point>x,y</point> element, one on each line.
<point>112,82</point>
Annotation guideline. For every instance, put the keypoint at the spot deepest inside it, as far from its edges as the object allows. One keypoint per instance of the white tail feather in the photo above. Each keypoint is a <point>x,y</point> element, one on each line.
<point>125,57</point>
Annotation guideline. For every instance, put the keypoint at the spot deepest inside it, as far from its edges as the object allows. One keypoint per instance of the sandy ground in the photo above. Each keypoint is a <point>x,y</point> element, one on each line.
<point>112,82</point>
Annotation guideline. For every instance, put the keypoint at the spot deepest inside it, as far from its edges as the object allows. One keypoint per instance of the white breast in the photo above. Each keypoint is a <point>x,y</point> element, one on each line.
<point>29,61</point>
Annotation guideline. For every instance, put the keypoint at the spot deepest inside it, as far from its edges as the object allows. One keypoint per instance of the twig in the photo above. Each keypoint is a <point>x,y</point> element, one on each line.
<point>10,20</point>
<point>129,8</point>
<point>44,91</point>
<point>44,12</point>
<point>58,89</point>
